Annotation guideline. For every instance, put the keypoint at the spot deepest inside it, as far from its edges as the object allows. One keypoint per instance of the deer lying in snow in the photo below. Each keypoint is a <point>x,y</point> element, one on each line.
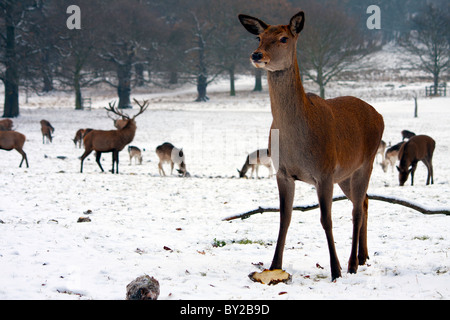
<point>113,140</point>
<point>47,130</point>
<point>13,140</point>
<point>135,152</point>
<point>254,160</point>
<point>417,148</point>
<point>167,153</point>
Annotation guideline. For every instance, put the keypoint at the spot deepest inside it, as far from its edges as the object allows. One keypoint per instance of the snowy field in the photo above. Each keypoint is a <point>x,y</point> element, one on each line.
<point>171,228</point>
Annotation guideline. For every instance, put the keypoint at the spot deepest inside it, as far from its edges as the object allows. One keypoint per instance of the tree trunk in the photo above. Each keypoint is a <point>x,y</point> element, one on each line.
<point>124,87</point>
<point>77,87</point>
<point>11,79</point>
<point>173,77</point>
<point>258,80</point>
<point>139,68</point>
<point>232,87</point>
<point>201,89</point>
<point>436,82</point>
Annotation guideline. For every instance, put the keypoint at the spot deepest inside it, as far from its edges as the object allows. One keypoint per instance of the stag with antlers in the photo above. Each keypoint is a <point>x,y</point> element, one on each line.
<point>113,141</point>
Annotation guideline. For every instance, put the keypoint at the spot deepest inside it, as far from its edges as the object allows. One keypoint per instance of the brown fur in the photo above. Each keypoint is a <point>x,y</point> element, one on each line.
<point>254,160</point>
<point>79,135</point>
<point>136,153</point>
<point>418,148</point>
<point>391,156</point>
<point>6,125</point>
<point>13,140</point>
<point>47,130</point>
<point>112,140</point>
<point>321,142</point>
<point>168,153</point>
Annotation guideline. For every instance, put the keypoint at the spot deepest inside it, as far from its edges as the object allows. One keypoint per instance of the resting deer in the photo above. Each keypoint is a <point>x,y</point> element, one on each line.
<point>167,153</point>
<point>321,142</point>
<point>417,148</point>
<point>113,140</point>
<point>47,130</point>
<point>13,140</point>
<point>6,125</point>
<point>135,152</point>
<point>79,135</point>
<point>254,160</point>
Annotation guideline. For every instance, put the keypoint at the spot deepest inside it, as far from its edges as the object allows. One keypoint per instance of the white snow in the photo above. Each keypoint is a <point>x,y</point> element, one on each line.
<point>167,227</point>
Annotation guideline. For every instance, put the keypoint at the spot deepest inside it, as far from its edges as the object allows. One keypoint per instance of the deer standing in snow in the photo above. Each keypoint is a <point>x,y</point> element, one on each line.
<point>321,142</point>
<point>254,160</point>
<point>47,130</point>
<point>113,140</point>
<point>417,148</point>
<point>135,152</point>
<point>167,153</point>
<point>13,140</point>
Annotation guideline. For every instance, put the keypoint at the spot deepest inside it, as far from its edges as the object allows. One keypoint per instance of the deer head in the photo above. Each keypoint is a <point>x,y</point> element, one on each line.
<point>277,44</point>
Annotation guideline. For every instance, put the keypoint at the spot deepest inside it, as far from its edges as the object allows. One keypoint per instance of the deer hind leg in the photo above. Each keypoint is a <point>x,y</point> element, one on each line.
<point>429,166</point>
<point>355,189</point>
<point>115,160</point>
<point>325,196</point>
<point>97,159</point>
<point>24,157</point>
<point>286,189</point>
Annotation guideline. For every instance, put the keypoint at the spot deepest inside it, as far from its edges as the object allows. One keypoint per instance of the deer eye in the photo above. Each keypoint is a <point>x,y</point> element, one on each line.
<point>284,40</point>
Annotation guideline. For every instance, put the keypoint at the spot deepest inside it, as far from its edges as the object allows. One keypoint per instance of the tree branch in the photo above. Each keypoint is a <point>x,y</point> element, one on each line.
<point>421,209</point>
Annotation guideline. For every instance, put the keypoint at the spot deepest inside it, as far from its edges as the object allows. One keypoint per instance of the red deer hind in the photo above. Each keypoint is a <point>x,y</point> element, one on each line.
<point>321,142</point>
<point>47,130</point>
<point>418,148</point>
<point>113,140</point>
<point>13,140</point>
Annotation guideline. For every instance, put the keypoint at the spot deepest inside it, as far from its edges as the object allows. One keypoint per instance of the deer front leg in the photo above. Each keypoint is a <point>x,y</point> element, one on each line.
<point>286,189</point>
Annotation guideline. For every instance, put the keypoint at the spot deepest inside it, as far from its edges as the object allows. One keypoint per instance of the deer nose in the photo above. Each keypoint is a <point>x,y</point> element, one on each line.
<point>256,56</point>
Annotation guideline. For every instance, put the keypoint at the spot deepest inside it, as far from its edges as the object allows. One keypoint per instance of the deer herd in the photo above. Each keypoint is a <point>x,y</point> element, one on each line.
<point>321,142</point>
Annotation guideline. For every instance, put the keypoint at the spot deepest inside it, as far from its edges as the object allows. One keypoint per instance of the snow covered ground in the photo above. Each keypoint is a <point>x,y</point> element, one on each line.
<point>171,228</point>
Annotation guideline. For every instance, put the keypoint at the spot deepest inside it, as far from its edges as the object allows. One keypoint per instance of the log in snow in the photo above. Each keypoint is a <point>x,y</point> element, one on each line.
<point>417,207</point>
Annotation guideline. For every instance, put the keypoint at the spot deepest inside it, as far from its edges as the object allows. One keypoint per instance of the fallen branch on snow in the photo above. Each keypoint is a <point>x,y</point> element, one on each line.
<point>405,203</point>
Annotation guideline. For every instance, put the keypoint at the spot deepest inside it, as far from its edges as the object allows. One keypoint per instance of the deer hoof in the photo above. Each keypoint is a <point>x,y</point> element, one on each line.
<point>270,277</point>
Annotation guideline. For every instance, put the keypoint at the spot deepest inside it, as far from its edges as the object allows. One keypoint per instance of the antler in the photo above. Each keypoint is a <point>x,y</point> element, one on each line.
<point>112,108</point>
<point>142,107</point>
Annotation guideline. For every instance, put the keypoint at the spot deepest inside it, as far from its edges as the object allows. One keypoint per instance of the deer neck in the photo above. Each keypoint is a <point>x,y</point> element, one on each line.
<point>287,95</point>
<point>128,131</point>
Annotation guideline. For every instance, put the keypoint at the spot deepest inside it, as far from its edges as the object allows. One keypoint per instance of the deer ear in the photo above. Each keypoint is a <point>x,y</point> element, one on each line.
<point>253,25</point>
<point>297,23</point>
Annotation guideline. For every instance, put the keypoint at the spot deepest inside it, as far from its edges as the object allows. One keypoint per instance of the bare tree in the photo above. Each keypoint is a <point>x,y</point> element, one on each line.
<point>331,43</point>
<point>429,40</point>
<point>12,14</point>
